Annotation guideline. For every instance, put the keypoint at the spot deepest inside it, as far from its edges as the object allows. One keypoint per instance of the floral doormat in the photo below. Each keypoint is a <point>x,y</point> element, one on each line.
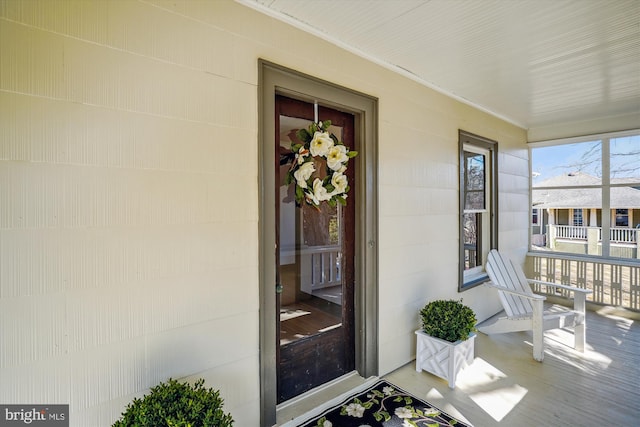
<point>384,405</point>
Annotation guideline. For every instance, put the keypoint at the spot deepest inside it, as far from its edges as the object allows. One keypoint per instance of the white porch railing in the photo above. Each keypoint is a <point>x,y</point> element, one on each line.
<point>613,282</point>
<point>321,267</point>
<point>571,232</point>
<point>622,235</point>
<point>616,234</point>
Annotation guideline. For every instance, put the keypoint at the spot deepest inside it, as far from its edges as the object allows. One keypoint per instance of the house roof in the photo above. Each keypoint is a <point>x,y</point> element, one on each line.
<point>621,197</point>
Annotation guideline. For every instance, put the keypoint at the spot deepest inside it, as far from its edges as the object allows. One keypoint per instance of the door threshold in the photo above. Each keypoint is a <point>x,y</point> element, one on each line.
<point>300,408</point>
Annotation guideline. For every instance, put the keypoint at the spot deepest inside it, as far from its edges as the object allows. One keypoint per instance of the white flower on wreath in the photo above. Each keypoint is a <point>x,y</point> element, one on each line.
<point>320,193</point>
<point>355,410</point>
<point>339,182</point>
<point>304,173</point>
<point>404,412</point>
<point>327,423</point>
<point>320,144</point>
<point>336,156</point>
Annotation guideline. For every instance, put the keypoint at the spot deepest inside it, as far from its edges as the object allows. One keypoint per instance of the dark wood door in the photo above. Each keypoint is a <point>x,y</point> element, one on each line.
<point>315,265</point>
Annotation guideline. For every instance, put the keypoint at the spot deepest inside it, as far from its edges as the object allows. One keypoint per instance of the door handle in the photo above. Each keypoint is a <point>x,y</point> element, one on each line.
<point>279,288</point>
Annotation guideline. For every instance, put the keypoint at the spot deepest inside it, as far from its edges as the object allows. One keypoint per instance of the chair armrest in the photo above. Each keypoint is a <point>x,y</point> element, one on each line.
<point>533,297</point>
<point>559,286</point>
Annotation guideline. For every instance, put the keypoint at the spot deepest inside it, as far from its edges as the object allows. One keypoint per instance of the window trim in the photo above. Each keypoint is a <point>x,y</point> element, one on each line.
<point>477,276</point>
<point>535,223</point>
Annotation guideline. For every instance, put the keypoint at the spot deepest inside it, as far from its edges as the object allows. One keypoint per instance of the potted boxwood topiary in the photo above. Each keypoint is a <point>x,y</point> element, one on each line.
<point>174,404</point>
<point>445,344</point>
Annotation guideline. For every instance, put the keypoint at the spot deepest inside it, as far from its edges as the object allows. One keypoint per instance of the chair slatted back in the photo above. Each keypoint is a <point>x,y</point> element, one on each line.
<point>503,273</point>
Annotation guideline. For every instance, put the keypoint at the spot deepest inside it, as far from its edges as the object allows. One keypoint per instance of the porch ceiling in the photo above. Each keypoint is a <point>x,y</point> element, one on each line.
<point>558,68</point>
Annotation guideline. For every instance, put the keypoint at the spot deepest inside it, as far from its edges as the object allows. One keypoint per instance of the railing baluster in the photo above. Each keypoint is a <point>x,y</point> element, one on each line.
<point>581,274</point>
<point>616,285</point>
<point>598,282</point>
<point>565,275</point>
<point>634,287</point>
<point>551,270</point>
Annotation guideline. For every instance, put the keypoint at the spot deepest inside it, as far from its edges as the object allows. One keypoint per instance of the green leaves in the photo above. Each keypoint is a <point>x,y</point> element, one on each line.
<point>304,136</point>
<point>448,320</point>
<point>174,404</point>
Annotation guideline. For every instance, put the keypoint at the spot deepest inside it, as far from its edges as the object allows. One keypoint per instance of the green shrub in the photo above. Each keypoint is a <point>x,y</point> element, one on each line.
<point>174,404</point>
<point>448,320</point>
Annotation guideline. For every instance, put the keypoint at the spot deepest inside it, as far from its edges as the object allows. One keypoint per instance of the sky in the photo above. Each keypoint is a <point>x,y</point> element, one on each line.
<point>547,162</point>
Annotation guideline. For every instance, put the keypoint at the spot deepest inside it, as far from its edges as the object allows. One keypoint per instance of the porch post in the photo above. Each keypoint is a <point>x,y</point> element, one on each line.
<point>551,229</point>
<point>593,218</point>
<point>593,236</point>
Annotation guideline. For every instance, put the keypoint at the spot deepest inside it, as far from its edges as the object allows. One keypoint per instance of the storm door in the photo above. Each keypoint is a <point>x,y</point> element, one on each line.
<point>314,264</point>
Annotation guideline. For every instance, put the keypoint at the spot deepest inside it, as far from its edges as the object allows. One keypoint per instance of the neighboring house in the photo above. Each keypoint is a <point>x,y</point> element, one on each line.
<point>570,219</point>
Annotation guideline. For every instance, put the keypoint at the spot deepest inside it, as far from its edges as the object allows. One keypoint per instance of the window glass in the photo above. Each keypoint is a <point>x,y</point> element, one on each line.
<point>587,194</point>
<point>478,223</point>
<point>625,160</point>
<point>622,218</point>
<point>474,180</point>
<point>577,217</point>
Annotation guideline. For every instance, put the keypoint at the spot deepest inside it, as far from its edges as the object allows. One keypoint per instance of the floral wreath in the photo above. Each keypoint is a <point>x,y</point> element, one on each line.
<point>319,146</point>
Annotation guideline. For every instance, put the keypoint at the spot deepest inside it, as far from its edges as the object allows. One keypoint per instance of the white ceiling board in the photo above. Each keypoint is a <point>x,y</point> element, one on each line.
<point>536,63</point>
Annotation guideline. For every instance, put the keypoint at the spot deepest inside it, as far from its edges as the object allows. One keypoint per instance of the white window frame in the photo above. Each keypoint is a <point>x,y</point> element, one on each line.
<point>608,221</point>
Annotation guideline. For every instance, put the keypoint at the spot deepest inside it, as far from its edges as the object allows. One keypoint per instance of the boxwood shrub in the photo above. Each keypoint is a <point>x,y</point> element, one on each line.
<point>175,404</point>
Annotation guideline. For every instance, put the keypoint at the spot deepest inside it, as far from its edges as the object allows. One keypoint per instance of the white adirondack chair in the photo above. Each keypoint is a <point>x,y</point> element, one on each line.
<point>524,309</point>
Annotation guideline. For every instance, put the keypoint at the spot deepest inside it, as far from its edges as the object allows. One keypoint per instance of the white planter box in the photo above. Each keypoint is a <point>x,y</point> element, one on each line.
<point>443,358</point>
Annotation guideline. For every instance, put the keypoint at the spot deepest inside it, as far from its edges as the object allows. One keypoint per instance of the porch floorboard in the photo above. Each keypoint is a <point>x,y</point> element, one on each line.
<point>506,386</point>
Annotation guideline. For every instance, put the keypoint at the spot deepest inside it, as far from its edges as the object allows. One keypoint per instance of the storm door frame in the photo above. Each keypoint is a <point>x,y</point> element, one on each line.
<point>275,79</point>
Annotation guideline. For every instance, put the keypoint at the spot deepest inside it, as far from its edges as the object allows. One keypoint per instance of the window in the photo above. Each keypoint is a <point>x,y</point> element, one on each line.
<point>622,217</point>
<point>591,182</point>
<point>478,207</point>
<point>577,218</point>
<point>535,220</point>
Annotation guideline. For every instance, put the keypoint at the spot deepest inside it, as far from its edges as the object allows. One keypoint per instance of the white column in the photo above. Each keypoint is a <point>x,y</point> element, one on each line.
<point>593,218</point>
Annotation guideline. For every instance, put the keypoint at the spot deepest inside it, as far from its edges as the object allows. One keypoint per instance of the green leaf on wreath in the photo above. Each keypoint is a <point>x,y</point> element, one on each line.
<point>367,405</point>
<point>321,422</point>
<point>408,400</point>
<point>398,399</point>
<point>326,124</point>
<point>377,416</point>
<point>303,135</point>
<point>296,147</point>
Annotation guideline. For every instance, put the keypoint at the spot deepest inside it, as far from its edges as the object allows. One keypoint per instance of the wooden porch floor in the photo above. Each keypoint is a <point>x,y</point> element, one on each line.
<point>505,387</point>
